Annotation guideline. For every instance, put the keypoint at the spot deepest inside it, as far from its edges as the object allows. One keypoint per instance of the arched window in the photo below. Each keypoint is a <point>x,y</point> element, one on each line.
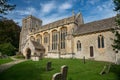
<point>78,46</point>
<point>100,41</point>
<point>63,33</point>
<point>39,38</point>
<point>46,37</point>
<point>54,40</point>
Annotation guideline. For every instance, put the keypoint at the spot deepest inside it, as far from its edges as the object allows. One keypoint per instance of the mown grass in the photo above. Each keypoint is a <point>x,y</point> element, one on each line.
<point>5,60</point>
<point>31,70</point>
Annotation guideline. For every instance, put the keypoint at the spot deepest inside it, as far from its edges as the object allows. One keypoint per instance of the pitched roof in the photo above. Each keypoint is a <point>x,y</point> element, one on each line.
<point>61,22</point>
<point>37,45</point>
<point>96,26</point>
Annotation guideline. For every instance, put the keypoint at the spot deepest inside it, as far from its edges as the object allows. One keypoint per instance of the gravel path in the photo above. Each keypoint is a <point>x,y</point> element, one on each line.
<point>10,64</point>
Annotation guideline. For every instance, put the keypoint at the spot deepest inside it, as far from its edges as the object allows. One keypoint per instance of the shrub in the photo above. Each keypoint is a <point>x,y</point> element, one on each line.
<point>19,56</point>
<point>7,49</point>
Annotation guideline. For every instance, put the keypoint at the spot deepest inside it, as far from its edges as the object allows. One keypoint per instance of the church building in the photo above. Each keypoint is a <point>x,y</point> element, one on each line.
<point>68,38</point>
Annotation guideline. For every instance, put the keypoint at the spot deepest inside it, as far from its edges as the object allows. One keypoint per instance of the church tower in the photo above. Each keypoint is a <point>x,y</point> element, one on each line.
<point>30,24</point>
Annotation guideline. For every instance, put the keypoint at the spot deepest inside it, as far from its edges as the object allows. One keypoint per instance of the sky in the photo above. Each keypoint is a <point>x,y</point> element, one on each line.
<point>51,10</point>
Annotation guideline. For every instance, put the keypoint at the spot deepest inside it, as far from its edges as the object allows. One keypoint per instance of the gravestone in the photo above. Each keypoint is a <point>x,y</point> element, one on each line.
<point>48,66</point>
<point>105,69</point>
<point>64,70</point>
<point>57,76</point>
<point>84,59</point>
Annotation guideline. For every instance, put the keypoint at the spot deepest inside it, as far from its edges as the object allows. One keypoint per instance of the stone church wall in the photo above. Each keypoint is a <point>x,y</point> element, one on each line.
<point>68,48</point>
<point>100,54</point>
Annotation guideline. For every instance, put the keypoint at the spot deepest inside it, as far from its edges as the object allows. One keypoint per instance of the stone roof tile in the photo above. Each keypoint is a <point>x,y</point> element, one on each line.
<point>95,26</point>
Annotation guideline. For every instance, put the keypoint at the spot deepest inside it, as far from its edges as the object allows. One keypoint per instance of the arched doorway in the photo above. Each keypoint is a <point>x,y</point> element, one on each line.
<point>28,55</point>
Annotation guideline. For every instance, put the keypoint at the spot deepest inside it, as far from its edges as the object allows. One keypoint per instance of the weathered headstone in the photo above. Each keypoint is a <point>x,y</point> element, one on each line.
<point>105,69</point>
<point>64,70</point>
<point>48,66</point>
<point>57,76</point>
<point>84,59</point>
<point>108,68</point>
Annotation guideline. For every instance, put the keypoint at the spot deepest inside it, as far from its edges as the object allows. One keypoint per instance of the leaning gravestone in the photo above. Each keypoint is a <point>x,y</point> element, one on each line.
<point>105,69</point>
<point>64,70</point>
<point>48,66</point>
<point>57,76</point>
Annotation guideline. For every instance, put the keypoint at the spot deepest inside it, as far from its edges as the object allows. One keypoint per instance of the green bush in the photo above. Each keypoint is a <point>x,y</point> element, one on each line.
<point>7,49</point>
<point>19,56</point>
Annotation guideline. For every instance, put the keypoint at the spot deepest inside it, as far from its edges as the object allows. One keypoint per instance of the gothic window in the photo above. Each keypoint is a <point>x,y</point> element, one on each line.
<point>78,46</point>
<point>46,37</point>
<point>100,41</point>
<point>39,38</point>
<point>63,34</point>
<point>54,40</point>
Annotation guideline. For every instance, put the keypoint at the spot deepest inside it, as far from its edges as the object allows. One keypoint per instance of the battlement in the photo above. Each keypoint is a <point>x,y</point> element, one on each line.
<point>30,16</point>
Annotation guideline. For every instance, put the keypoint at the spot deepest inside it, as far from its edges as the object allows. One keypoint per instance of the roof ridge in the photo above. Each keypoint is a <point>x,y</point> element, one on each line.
<point>100,20</point>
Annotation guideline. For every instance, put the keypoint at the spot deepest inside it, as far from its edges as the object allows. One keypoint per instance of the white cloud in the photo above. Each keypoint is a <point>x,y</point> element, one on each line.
<point>92,1</point>
<point>65,6</point>
<point>58,14</point>
<point>52,18</point>
<point>61,10</point>
<point>48,7</point>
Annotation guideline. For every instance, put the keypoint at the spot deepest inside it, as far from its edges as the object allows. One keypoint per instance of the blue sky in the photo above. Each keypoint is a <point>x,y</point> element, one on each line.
<point>52,10</point>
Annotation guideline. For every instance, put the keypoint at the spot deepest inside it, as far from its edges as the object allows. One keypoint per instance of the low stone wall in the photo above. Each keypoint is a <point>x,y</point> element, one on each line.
<point>67,56</point>
<point>53,55</point>
<point>35,58</point>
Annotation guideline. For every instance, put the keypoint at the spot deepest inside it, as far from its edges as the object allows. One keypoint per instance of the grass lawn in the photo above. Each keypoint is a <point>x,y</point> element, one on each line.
<point>6,60</point>
<point>31,70</point>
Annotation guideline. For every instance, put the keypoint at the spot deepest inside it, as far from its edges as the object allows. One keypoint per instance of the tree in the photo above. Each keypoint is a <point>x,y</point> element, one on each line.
<point>9,30</point>
<point>5,6</point>
<point>9,37</point>
<point>116,31</point>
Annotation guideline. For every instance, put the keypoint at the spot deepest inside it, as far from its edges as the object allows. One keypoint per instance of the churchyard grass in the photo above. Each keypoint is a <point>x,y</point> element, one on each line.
<point>77,70</point>
<point>5,60</point>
